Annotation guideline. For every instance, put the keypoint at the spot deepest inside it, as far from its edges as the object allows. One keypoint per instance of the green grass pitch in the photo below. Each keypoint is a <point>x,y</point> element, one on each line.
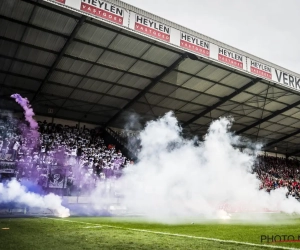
<point>133,233</point>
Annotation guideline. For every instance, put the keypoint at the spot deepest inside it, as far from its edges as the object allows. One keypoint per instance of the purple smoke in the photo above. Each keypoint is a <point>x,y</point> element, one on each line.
<point>32,187</point>
<point>28,111</point>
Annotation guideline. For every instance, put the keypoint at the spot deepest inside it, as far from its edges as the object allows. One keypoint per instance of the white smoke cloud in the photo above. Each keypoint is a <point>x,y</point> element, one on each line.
<point>13,191</point>
<point>175,180</point>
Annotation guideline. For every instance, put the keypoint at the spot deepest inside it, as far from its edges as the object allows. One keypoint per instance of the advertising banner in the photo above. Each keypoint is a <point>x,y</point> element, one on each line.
<point>194,44</point>
<point>56,177</point>
<point>228,57</point>
<point>7,167</point>
<point>259,69</point>
<point>286,79</point>
<point>150,27</point>
<point>7,171</point>
<point>103,10</point>
<point>61,1</point>
<point>99,9</point>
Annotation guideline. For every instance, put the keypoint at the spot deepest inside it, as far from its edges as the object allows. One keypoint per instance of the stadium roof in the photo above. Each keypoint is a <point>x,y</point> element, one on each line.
<point>93,61</point>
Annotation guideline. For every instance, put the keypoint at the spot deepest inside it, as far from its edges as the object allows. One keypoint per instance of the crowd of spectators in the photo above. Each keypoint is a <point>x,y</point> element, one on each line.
<point>60,156</point>
<point>276,172</point>
<point>128,134</point>
<point>130,138</point>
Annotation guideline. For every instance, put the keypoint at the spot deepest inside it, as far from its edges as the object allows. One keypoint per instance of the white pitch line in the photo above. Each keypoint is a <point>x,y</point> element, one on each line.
<point>93,227</point>
<point>180,235</point>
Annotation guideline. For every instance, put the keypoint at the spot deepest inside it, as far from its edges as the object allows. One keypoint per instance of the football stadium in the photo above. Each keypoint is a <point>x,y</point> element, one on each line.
<point>120,129</point>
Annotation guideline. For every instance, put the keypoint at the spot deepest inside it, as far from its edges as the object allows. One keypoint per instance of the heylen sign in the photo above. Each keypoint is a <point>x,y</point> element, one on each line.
<point>104,10</point>
<point>230,57</point>
<point>260,69</point>
<point>194,44</point>
<point>152,28</point>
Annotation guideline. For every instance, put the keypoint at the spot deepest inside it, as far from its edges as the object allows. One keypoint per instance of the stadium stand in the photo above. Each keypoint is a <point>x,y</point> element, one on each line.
<point>63,157</point>
<point>276,172</point>
<point>73,159</point>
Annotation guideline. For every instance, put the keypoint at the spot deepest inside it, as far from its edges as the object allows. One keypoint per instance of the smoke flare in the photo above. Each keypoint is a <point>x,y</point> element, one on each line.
<point>28,111</point>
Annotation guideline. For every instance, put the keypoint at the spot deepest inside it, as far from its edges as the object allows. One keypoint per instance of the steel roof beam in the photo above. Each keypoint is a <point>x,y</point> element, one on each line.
<point>16,111</point>
<point>151,85</point>
<point>116,84</point>
<point>293,153</point>
<point>29,91</point>
<point>222,101</point>
<point>92,78</point>
<point>23,34</point>
<point>71,99</point>
<point>60,55</point>
<point>282,138</point>
<point>8,98</point>
<point>71,73</point>
<point>80,59</point>
<point>28,25</point>
<point>28,45</point>
<point>102,65</point>
<point>43,6</point>
<point>274,114</point>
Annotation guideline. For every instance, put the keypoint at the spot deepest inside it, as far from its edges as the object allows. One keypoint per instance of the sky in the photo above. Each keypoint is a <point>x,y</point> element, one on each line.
<point>265,28</point>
